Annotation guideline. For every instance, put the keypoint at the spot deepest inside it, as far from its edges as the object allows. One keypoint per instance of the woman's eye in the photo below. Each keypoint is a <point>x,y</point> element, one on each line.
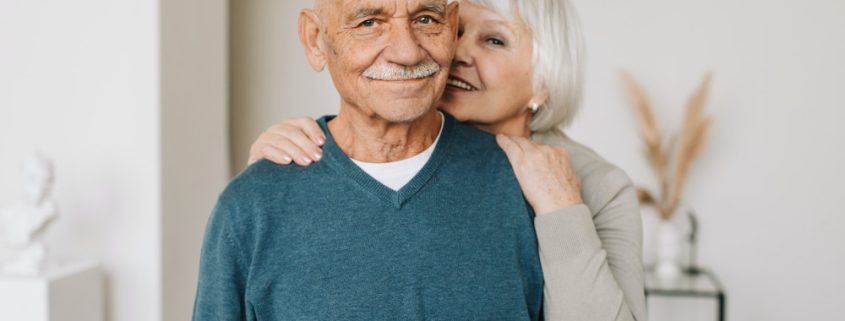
<point>495,42</point>
<point>368,23</point>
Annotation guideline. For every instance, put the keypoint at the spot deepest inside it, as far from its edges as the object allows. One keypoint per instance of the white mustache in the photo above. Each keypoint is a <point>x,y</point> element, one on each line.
<point>398,72</point>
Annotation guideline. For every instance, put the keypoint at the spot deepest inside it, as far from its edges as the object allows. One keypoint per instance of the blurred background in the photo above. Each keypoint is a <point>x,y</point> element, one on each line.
<point>148,108</point>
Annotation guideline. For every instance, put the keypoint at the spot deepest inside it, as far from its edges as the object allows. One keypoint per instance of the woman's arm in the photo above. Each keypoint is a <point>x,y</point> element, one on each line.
<point>592,259</point>
<point>591,256</point>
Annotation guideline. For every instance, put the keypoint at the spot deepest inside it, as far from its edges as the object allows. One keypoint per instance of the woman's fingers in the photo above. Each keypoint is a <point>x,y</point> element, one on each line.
<point>544,174</point>
<point>264,148</point>
<point>294,140</point>
<point>309,148</point>
<point>275,155</point>
<point>311,129</point>
<point>291,149</point>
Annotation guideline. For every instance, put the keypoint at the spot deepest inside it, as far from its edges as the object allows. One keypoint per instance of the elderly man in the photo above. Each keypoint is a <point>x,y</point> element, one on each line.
<point>409,216</point>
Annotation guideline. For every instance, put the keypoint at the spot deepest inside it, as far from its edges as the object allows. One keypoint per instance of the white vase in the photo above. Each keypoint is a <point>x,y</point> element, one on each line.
<point>668,244</point>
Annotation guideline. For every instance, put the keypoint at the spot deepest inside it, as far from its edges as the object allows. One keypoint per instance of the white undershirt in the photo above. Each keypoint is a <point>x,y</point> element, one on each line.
<point>396,174</point>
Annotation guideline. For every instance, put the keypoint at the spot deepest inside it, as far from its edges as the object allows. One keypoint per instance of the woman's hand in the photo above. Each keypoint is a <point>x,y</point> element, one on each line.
<point>295,140</point>
<point>544,172</point>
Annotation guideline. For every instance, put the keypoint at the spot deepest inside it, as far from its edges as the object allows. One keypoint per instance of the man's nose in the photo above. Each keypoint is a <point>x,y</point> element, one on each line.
<point>404,47</point>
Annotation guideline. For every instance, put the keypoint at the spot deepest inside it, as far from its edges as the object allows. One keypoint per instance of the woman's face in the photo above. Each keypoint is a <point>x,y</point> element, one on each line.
<point>490,84</point>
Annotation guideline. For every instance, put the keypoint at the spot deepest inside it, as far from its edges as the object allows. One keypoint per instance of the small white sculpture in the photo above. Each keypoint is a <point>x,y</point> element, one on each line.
<point>23,226</point>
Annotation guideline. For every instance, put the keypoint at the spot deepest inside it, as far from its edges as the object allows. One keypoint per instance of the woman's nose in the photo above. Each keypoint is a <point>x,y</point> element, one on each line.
<point>463,54</point>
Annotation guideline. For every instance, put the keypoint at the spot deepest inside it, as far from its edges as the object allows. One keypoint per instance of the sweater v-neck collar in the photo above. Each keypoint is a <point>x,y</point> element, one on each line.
<point>340,162</point>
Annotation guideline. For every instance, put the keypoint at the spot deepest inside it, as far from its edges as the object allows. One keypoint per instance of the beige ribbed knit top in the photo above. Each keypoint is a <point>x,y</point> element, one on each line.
<point>591,253</point>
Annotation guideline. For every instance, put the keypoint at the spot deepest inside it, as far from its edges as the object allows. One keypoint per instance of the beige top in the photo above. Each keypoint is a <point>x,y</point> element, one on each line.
<point>591,253</point>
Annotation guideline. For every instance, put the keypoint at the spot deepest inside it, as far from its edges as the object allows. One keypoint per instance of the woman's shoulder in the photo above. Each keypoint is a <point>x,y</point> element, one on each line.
<point>601,180</point>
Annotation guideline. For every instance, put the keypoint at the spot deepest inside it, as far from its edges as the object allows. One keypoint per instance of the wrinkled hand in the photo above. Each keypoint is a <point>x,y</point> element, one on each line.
<point>295,140</point>
<point>544,172</point>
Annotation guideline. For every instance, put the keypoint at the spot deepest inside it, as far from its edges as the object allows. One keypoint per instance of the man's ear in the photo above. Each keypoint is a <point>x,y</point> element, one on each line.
<point>311,37</point>
<point>452,16</point>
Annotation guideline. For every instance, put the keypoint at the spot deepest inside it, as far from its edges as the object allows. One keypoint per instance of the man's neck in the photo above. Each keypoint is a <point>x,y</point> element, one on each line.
<point>372,139</point>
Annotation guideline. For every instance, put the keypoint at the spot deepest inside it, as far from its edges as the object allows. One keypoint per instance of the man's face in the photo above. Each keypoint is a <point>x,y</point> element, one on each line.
<point>389,58</point>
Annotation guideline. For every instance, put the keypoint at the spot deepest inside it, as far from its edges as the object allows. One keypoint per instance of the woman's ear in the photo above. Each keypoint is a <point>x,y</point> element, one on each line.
<point>311,37</point>
<point>539,98</point>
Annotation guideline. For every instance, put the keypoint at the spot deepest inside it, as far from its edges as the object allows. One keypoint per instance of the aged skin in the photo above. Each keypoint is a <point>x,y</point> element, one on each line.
<point>389,61</point>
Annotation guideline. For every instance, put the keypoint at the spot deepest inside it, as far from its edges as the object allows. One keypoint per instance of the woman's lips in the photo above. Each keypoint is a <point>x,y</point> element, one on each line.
<point>460,83</point>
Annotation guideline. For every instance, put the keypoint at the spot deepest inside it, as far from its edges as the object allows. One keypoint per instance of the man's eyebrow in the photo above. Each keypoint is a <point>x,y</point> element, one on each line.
<point>436,7</point>
<point>363,12</point>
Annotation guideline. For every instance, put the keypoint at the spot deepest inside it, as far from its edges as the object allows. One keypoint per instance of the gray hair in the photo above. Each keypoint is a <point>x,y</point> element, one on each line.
<point>557,56</point>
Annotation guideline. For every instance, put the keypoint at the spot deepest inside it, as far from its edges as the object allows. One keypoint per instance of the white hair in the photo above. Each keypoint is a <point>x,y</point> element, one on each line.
<point>558,53</point>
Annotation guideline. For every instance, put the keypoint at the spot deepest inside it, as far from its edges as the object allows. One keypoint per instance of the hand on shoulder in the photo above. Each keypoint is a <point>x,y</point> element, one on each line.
<point>296,140</point>
<point>544,172</point>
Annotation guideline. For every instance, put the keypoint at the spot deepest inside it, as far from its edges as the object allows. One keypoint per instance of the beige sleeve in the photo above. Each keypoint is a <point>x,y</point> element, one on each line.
<point>592,256</point>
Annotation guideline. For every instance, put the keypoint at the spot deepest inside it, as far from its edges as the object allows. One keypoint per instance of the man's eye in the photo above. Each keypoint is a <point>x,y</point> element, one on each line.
<point>495,42</point>
<point>368,23</point>
<point>425,20</point>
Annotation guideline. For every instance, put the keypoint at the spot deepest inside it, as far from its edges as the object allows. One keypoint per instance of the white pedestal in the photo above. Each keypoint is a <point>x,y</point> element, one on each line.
<point>71,293</point>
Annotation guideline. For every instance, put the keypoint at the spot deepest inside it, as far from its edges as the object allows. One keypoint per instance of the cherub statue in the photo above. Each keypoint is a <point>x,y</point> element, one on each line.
<point>23,225</point>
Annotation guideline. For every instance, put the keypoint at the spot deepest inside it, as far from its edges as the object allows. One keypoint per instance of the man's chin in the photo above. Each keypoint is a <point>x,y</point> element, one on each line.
<point>402,89</point>
<point>405,116</point>
<point>404,113</point>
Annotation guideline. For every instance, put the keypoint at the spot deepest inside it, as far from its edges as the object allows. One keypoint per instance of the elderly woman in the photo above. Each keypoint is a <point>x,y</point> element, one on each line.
<point>517,74</point>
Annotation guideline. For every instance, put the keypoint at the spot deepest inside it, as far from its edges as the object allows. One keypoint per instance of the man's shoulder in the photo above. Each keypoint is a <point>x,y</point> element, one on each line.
<point>475,153</point>
<point>260,174</point>
<point>265,178</point>
<point>264,191</point>
<point>473,143</point>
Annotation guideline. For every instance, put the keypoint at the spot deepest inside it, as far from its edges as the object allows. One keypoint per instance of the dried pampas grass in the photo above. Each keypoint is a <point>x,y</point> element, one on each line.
<point>670,159</point>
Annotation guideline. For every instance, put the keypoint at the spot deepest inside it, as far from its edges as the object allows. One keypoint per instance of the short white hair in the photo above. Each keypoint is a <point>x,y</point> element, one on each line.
<point>558,53</point>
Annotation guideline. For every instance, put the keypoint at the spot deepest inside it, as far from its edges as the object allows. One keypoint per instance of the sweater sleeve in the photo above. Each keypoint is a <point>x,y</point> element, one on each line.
<point>592,260</point>
<point>222,276</point>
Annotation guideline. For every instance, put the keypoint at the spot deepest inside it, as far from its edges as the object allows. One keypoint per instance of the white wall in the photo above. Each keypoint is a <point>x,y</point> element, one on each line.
<point>270,77</point>
<point>194,130</point>
<point>79,81</point>
<point>130,100</point>
<point>767,188</point>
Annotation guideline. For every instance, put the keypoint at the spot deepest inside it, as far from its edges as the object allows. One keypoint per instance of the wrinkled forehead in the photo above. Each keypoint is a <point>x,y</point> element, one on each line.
<point>352,8</point>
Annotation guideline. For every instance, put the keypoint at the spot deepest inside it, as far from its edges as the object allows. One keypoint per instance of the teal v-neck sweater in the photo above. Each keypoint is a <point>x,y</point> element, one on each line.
<point>329,242</point>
